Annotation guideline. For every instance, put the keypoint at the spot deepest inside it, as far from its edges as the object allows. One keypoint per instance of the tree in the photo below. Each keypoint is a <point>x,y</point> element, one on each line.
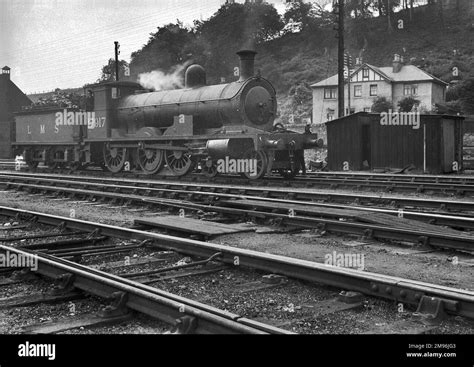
<point>169,46</point>
<point>448,108</point>
<point>233,27</point>
<point>108,71</point>
<point>300,14</point>
<point>466,96</point>
<point>407,104</point>
<point>360,8</point>
<point>381,104</point>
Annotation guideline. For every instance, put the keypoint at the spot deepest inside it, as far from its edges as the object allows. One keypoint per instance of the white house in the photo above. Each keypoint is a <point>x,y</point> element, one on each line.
<point>368,82</point>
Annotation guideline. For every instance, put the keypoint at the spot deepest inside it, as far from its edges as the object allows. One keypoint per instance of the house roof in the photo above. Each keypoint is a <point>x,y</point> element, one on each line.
<point>331,81</point>
<point>11,97</point>
<point>408,73</point>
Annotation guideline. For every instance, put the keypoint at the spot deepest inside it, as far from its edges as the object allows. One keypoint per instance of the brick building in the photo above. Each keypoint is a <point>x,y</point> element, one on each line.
<point>11,100</point>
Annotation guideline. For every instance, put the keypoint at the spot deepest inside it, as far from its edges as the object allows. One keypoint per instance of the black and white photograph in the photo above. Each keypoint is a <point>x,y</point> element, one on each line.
<point>237,167</point>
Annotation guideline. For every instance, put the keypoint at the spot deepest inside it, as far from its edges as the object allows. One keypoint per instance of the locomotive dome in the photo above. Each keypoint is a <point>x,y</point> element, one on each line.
<point>195,76</point>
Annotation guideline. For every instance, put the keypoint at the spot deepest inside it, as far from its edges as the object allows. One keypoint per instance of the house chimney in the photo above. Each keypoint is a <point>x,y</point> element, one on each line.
<point>247,64</point>
<point>6,72</point>
<point>397,63</point>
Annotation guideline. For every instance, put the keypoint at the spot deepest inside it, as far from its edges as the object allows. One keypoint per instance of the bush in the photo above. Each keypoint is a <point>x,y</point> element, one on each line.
<point>381,104</point>
<point>407,104</point>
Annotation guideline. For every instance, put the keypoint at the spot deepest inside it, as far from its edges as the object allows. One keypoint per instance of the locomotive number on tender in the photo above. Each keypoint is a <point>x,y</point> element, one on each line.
<point>99,122</point>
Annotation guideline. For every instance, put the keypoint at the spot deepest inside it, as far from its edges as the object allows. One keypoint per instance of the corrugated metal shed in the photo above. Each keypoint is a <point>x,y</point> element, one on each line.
<point>360,141</point>
<point>11,100</point>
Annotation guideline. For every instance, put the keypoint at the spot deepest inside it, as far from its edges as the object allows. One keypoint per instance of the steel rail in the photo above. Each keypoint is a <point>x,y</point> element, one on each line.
<point>396,177</point>
<point>439,239</point>
<point>417,178</point>
<point>145,299</point>
<point>450,220</point>
<point>389,185</point>
<point>360,181</point>
<point>456,301</point>
<point>268,192</point>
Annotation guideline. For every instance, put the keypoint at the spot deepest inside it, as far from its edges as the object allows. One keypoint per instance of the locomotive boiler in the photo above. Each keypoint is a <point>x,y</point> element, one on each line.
<point>176,131</point>
<point>250,102</point>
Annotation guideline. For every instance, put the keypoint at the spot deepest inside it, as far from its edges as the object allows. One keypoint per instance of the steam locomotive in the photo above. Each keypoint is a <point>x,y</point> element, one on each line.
<point>126,127</point>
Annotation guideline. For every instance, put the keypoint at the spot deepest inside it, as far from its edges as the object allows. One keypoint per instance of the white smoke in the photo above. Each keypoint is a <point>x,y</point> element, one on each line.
<point>158,80</point>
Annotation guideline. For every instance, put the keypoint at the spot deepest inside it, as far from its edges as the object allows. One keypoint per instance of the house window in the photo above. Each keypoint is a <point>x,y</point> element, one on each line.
<point>357,90</point>
<point>365,73</point>
<point>410,90</point>
<point>373,89</point>
<point>330,93</point>
<point>367,109</point>
<point>330,114</point>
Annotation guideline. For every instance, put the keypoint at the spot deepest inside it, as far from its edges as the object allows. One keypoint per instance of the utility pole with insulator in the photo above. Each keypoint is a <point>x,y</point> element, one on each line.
<point>347,76</point>
<point>117,53</point>
<point>340,56</point>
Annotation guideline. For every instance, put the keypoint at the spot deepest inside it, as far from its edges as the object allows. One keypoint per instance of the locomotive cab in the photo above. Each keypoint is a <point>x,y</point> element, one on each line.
<point>103,99</point>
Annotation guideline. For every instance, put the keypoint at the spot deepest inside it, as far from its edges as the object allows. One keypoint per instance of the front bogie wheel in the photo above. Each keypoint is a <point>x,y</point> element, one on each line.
<point>258,164</point>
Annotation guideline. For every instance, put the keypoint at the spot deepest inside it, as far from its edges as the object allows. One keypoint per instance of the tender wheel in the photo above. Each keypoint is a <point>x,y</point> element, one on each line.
<point>262,164</point>
<point>56,153</point>
<point>288,173</point>
<point>30,154</point>
<point>150,160</point>
<point>114,158</point>
<point>32,164</point>
<point>178,161</point>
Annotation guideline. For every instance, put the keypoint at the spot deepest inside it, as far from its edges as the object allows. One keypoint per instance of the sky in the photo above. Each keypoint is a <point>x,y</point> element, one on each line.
<point>52,44</point>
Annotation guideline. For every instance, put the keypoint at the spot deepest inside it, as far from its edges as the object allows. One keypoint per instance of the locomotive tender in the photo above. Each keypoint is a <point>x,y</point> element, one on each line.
<point>126,127</point>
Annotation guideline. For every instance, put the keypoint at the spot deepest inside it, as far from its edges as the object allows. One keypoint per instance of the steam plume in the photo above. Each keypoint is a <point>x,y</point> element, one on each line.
<point>158,80</point>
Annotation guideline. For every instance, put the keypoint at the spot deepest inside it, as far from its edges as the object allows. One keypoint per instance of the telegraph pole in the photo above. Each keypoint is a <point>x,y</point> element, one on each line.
<point>117,53</point>
<point>348,64</point>
<point>340,36</point>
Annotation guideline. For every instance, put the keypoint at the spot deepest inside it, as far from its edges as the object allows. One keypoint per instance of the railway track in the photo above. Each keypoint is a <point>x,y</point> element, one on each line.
<point>146,299</point>
<point>368,223</point>
<point>125,292</point>
<point>283,191</point>
<point>458,185</point>
<point>444,179</point>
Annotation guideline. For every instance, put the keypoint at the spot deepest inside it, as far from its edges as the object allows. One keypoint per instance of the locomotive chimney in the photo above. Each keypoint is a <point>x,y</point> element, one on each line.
<point>247,64</point>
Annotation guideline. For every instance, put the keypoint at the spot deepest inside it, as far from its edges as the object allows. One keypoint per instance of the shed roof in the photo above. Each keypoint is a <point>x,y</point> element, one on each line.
<point>361,113</point>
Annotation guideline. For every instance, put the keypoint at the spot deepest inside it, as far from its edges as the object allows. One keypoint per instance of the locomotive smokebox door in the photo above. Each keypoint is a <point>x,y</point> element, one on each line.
<point>182,126</point>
